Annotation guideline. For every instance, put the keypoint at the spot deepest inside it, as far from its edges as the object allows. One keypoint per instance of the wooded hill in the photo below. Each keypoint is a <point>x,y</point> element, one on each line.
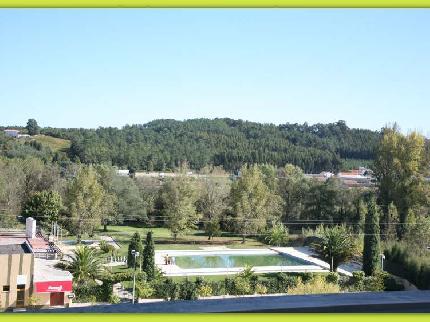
<point>163,144</point>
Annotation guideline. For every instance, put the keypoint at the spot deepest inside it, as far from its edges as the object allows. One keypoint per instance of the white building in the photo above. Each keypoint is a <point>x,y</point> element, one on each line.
<point>123,173</point>
<point>11,133</point>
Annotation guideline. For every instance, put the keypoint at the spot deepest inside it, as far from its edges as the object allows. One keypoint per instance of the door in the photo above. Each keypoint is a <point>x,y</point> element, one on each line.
<point>57,298</point>
<point>20,295</point>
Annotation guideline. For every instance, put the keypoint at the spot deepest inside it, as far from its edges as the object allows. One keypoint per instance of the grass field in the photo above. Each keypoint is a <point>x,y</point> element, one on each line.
<point>55,144</point>
<point>164,241</point>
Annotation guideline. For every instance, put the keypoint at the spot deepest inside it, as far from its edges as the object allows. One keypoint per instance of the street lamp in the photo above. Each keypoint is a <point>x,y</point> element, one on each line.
<point>135,255</point>
<point>382,261</point>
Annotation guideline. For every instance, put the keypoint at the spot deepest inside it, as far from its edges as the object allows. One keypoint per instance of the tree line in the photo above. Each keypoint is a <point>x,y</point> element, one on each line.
<point>161,145</point>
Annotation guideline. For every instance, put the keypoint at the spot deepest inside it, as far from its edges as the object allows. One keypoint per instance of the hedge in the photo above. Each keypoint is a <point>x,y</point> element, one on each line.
<point>414,268</point>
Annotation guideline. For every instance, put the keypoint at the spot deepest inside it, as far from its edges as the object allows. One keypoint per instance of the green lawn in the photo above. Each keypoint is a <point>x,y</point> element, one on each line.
<point>55,144</point>
<point>163,239</point>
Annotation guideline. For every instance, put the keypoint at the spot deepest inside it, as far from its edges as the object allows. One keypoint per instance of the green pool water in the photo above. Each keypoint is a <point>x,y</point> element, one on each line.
<point>229,261</point>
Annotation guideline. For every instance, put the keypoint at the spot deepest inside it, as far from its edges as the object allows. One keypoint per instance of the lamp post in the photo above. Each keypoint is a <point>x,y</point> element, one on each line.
<point>382,261</point>
<point>135,255</point>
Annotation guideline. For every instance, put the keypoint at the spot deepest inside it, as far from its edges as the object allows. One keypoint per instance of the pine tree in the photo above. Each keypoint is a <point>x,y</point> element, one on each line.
<point>371,239</point>
<point>135,244</point>
<point>148,264</point>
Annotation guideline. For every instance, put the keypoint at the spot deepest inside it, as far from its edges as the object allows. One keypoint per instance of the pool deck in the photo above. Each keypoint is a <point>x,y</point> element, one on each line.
<point>304,253</point>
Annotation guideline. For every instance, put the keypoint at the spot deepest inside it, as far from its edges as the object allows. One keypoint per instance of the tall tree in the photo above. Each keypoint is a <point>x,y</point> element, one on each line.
<point>212,204</point>
<point>293,187</point>
<point>136,245</point>
<point>179,197</point>
<point>130,203</point>
<point>323,200</point>
<point>417,235</point>
<point>148,264</point>
<point>392,223</point>
<point>85,202</point>
<point>371,250</point>
<point>32,127</point>
<point>400,167</point>
<point>44,206</point>
<point>252,202</point>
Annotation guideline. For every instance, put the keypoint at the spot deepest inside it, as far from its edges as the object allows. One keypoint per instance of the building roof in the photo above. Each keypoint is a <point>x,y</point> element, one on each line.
<point>44,270</point>
<point>14,249</point>
<point>18,237</point>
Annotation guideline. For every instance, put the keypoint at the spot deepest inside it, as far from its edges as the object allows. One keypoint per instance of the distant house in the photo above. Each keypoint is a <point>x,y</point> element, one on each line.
<point>11,133</point>
<point>123,173</point>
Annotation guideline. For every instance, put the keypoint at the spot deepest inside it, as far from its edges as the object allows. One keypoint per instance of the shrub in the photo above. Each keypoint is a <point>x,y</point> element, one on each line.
<point>241,286</point>
<point>144,290</point>
<point>187,291</point>
<point>260,289</point>
<point>229,286</point>
<point>318,285</point>
<point>204,290</point>
<point>282,282</point>
<point>85,292</point>
<point>332,277</point>
<point>114,299</point>
<point>104,246</point>
<point>357,280</point>
<point>166,289</point>
<point>218,288</point>
<point>277,235</point>
<point>415,268</point>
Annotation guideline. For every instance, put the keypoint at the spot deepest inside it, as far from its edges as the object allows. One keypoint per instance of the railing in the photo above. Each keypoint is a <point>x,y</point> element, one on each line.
<point>52,250</point>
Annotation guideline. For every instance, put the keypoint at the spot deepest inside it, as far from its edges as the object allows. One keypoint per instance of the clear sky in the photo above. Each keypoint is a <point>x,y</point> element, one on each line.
<point>90,68</point>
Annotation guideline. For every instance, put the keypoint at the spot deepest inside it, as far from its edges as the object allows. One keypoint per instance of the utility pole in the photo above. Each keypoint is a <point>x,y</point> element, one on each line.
<point>135,254</point>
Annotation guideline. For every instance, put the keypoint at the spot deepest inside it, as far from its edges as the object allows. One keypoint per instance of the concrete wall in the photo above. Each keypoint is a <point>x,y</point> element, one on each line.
<point>12,265</point>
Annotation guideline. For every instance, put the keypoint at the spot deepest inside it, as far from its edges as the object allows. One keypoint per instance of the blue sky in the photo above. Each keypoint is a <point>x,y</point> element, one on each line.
<point>90,68</point>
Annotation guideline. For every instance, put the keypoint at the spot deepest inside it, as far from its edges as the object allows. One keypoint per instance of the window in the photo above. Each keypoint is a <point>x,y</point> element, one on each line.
<point>20,286</point>
<point>6,288</point>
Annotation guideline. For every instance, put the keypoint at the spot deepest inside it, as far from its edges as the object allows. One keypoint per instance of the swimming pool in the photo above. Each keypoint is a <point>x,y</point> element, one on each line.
<point>237,260</point>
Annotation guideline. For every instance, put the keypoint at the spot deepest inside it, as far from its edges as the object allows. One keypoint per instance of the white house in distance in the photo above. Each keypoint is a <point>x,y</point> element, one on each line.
<point>15,134</point>
<point>123,173</point>
<point>11,133</point>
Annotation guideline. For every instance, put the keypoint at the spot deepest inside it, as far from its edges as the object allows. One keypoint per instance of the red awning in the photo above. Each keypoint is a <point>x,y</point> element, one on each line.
<point>53,286</point>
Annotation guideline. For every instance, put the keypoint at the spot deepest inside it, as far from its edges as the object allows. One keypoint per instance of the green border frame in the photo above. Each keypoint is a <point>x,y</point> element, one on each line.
<point>215,3</point>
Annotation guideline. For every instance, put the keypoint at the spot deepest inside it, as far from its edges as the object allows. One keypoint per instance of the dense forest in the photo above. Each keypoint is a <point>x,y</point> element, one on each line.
<point>161,145</point>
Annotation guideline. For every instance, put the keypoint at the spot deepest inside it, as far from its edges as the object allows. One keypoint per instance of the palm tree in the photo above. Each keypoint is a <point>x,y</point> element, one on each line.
<point>85,264</point>
<point>336,246</point>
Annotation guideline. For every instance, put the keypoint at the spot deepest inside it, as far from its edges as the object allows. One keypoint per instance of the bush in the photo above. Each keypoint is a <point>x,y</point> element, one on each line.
<point>218,288</point>
<point>357,280</point>
<point>241,286</point>
<point>166,289</point>
<point>277,235</point>
<point>260,289</point>
<point>317,285</point>
<point>415,269</point>
<point>282,282</point>
<point>188,291</point>
<point>204,290</point>
<point>114,299</point>
<point>332,277</point>
<point>144,290</point>
<point>86,292</point>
